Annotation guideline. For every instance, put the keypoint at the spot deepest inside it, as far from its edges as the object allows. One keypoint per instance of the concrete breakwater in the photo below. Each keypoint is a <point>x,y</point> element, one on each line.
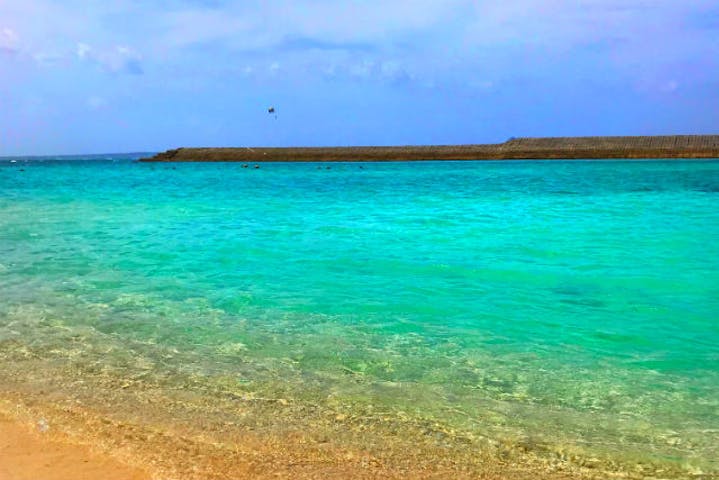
<point>671,146</point>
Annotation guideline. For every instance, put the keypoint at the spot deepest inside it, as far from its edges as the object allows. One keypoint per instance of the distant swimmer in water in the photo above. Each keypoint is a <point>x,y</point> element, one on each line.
<point>257,166</point>
<point>244,165</point>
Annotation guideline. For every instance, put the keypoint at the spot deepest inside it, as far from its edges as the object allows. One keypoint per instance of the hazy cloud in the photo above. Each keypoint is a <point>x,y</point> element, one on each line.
<point>96,103</point>
<point>47,59</point>
<point>119,59</point>
<point>431,38</point>
<point>83,51</point>
<point>297,43</point>
<point>9,41</point>
<point>623,60</point>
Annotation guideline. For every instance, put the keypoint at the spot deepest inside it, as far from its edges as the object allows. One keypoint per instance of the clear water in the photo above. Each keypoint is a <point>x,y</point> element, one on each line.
<point>570,303</point>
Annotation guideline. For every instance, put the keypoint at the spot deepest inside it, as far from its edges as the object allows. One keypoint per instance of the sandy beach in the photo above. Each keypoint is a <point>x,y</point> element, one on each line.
<point>29,452</point>
<point>61,440</point>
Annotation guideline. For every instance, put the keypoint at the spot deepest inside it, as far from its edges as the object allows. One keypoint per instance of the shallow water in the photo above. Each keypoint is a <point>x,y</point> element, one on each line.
<point>557,304</point>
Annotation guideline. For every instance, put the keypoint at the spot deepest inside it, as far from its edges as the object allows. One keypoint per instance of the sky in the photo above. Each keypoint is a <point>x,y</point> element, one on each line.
<point>89,76</point>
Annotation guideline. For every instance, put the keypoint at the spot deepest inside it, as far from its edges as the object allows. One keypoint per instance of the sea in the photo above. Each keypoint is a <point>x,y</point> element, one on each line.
<point>563,310</point>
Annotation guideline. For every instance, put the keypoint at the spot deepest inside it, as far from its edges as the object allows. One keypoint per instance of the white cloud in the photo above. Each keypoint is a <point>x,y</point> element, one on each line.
<point>260,24</point>
<point>83,51</point>
<point>121,59</point>
<point>96,103</point>
<point>47,59</point>
<point>363,69</point>
<point>118,59</point>
<point>9,41</point>
<point>425,40</point>
<point>391,69</point>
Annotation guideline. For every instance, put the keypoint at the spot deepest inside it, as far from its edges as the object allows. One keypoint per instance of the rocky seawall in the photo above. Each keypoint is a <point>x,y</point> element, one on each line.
<point>673,146</point>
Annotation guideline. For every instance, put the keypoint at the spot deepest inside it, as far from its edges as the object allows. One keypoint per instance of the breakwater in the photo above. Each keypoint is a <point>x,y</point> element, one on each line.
<point>672,146</point>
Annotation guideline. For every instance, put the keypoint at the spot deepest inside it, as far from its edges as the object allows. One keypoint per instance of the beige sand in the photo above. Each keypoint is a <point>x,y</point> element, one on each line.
<point>35,455</point>
<point>27,453</point>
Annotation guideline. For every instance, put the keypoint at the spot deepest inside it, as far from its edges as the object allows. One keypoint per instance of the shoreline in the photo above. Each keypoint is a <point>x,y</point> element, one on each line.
<point>184,432</point>
<point>70,441</point>
<point>559,148</point>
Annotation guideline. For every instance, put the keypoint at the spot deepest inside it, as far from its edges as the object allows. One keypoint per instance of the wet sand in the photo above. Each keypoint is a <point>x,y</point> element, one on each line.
<point>78,445</point>
<point>28,453</point>
<point>188,428</point>
<point>138,434</point>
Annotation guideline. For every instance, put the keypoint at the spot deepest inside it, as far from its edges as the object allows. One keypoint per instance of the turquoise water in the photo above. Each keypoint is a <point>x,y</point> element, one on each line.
<point>570,303</point>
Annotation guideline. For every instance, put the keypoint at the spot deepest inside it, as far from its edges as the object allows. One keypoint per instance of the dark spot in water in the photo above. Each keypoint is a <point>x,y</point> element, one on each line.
<point>568,290</point>
<point>573,295</point>
<point>584,302</point>
<point>616,337</point>
<point>498,384</point>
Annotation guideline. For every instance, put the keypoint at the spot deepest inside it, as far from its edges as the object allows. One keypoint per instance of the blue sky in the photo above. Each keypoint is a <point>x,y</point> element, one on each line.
<point>101,76</point>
